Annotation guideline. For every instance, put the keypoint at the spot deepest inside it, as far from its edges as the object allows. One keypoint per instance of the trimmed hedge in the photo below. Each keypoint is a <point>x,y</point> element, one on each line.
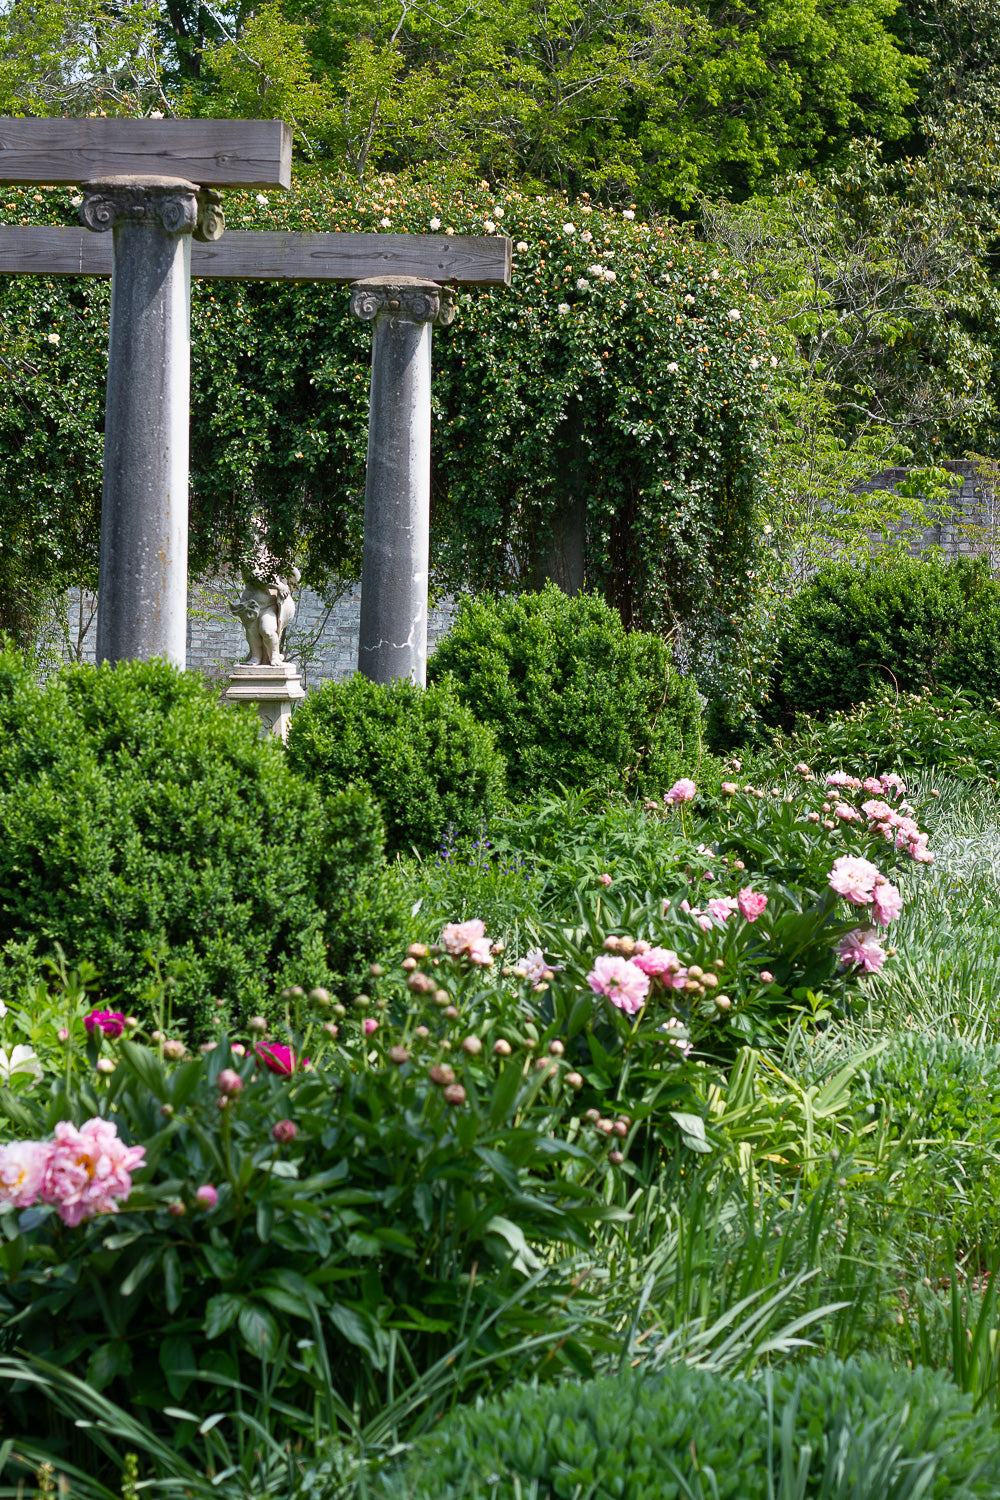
<point>907,622</point>
<point>142,823</point>
<point>574,699</point>
<point>857,1428</point>
<point>419,751</point>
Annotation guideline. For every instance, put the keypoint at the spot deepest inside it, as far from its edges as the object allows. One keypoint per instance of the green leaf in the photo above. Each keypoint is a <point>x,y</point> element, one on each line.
<point>357,1328</point>
<point>147,1068</point>
<point>176,1356</point>
<point>140,1271</point>
<point>505,1091</point>
<point>259,1330</point>
<point>173,1279</point>
<point>221,1312</point>
<point>107,1362</point>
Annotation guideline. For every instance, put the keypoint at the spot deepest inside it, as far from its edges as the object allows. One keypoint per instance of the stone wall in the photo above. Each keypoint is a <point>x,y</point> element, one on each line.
<point>969,525</point>
<point>323,641</point>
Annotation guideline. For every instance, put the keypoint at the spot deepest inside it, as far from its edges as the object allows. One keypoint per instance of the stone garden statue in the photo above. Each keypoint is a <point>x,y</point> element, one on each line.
<point>266,608</point>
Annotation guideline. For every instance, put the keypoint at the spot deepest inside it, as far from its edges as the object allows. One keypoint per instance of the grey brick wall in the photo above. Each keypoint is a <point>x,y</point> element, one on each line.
<point>324,641</point>
<point>969,523</point>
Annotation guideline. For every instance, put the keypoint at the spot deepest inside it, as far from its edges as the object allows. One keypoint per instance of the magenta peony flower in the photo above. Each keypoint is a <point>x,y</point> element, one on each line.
<point>661,963</point>
<point>681,791</point>
<point>862,949</point>
<point>110,1022</point>
<point>88,1170</point>
<point>207,1195</point>
<point>278,1058</point>
<point>887,903</point>
<point>854,879</point>
<point>467,940</point>
<point>23,1165</point>
<point>751,903</point>
<point>621,980</point>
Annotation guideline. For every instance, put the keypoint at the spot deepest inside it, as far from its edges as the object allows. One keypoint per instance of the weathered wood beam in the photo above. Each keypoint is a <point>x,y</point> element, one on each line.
<point>212,153</point>
<point>265,255</point>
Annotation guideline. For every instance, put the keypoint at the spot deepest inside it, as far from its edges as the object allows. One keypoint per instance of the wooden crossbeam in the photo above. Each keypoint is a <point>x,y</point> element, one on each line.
<point>211,153</point>
<point>258,255</point>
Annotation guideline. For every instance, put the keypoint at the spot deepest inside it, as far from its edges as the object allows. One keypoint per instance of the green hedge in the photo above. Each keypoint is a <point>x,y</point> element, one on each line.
<point>573,698</point>
<point>857,1429</point>
<point>910,623</point>
<point>141,823</point>
<point>419,752</point>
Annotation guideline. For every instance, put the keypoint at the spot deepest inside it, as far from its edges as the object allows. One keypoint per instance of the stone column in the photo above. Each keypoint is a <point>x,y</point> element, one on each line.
<point>142,582</point>
<point>392,639</point>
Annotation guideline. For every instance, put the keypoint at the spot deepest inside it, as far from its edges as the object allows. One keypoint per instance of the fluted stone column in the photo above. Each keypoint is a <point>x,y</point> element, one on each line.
<point>142,584</point>
<point>392,640</point>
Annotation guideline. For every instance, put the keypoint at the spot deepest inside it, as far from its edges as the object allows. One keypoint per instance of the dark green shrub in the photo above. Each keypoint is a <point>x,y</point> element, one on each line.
<point>419,751</point>
<point>927,622</point>
<point>860,1429</point>
<point>141,823</point>
<point>573,698</point>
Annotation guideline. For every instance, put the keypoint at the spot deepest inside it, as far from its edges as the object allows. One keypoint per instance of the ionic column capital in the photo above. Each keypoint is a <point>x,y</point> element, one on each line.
<point>406,299</point>
<point>178,206</point>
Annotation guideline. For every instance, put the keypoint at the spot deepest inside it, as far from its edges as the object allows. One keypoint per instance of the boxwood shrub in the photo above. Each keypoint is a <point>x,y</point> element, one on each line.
<point>574,699</point>
<point>907,622</point>
<point>857,1428</point>
<point>420,752</point>
<point>147,828</point>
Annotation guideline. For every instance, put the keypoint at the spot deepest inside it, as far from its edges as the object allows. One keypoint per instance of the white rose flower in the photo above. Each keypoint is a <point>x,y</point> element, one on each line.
<point>774,362</point>
<point>734,315</point>
<point>490,227</point>
<point>262,199</point>
<point>595,270</point>
<point>449,231</point>
<point>522,246</point>
<point>582,284</point>
<point>714,275</point>
<point>611,275</point>
<point>385,221</point>
<point>754,362</point>
<point>587,237</point>
<point>627,213</point>
<point>435,223</point>
<point>689,300</point>
<point>498,213</point>
<point>53,338</point>
<point>569,229</point>
<point>77,200</point>
<point>673,367</point>
<point>564,308</point>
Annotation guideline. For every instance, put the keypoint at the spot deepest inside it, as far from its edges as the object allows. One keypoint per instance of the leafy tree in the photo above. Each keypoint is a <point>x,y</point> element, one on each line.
<point>71,56</point>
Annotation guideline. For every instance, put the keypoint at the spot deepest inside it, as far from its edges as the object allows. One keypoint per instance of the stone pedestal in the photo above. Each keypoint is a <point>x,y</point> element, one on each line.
<point>271,689</point>
<point>392,640</point>
<point>144,502</point>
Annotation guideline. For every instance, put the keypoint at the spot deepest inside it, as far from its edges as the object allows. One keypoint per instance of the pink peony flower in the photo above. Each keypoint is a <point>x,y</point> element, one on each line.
<point>846,813</point>
<point>88,1170</point>
<point>621,980</point>
<point>887,903</point>
<point>207,1195</point>
<point>722,907</point>
<point>467,940</point>
<point>676,1035</point>
<point>23,1165</point>
<point>751,903</point>
<point>662,963</point>
<point>861,948</point>
<point>878,812</point>
<point>854,879</point>
<point>681,791</point>
<point>278,1058</point>
<point>871,784</point>
<point>110,1022</point>
<point>893,783</point>
<point>918,850</point>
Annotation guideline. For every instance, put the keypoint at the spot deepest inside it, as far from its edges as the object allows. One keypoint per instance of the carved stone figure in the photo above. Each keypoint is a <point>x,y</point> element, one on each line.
<point>266,608</point>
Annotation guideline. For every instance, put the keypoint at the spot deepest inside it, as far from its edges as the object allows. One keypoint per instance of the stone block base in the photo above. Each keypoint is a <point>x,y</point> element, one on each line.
<point>272,691</point>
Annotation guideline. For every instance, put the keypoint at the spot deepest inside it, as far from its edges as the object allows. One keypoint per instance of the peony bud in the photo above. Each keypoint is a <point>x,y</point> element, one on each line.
<point>207,1196</point>
<point>284,1131</point>
<point>398,1055</point>
<point>472,1045</point>
<point>454,1094</point>
<point>229,1081</point>
<point>501,1048</point>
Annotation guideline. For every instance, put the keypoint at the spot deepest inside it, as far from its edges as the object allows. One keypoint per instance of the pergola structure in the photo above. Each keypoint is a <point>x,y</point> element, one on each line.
<point>154,184</point>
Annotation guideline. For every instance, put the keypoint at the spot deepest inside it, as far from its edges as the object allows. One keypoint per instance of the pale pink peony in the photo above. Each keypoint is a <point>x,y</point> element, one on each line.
<point>879,812</point>
<point>854,879</point>
<point>751,903</point>
<point>88,1170</point>
<point>621,980</point>
<point>846,813</point>
<point>893,783</point>
<point>887,903</point>
<point>23,1165</point>
<point>662,963</point>
<point>681,791</point>
<point>722,907</point>
<point>861,948</point>
<point>841,778</point>
<point>871,784</point>
<point>467,940</point>
<point>919,851</point>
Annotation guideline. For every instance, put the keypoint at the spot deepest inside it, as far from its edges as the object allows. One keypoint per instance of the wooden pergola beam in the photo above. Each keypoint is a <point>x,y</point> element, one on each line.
<point>212,153</point>
<point>275,255</point>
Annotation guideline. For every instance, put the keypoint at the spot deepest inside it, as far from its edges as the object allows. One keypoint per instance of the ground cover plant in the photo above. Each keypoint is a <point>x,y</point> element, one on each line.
<point>638,1084</point>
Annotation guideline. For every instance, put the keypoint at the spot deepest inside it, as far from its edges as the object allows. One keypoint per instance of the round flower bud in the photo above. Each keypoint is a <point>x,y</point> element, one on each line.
<point>611,943</point>
<point>812,817</point>
<point>472,1045</point>
<point>229,1081</point>
<point>723,1002</point>
<point>626,946</point>
<point>375,970</point>
<point>451,1011</point>
<point>167,1111</point>
<point>284,1131</point>
<point>454,1094</point>
<point>105,1065</point>
<point>174,1048</point>
<point>605,1126</point>
<point>207,1195</point>
<point>257,1023</point>
<point>441,997</point>
<point>593,1115</point>
<point>541,1064</point>
<point>177,1210</point>
<point>766,977</point>
<point>695,971</point>
<point>409,963</point>
<point>615,1158</point>
<point>293,992</point>
<point>620,1129</point>
<point>321,997</point>
<point>340,1011</point>
<point>575,1080</point>
<point>418,950</point>
<point>362,1002</point>
<point>556,1048</point>
<point>711,980</point>
<point>421,1031</point>
<point>331,1028</point>
<point>398,1055</point>
<point>501,1047</point>
<point>441,1074</point>
<point>420,983</point>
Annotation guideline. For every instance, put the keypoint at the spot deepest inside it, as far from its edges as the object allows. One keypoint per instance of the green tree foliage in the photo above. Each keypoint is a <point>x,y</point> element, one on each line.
<point>71,56</point>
